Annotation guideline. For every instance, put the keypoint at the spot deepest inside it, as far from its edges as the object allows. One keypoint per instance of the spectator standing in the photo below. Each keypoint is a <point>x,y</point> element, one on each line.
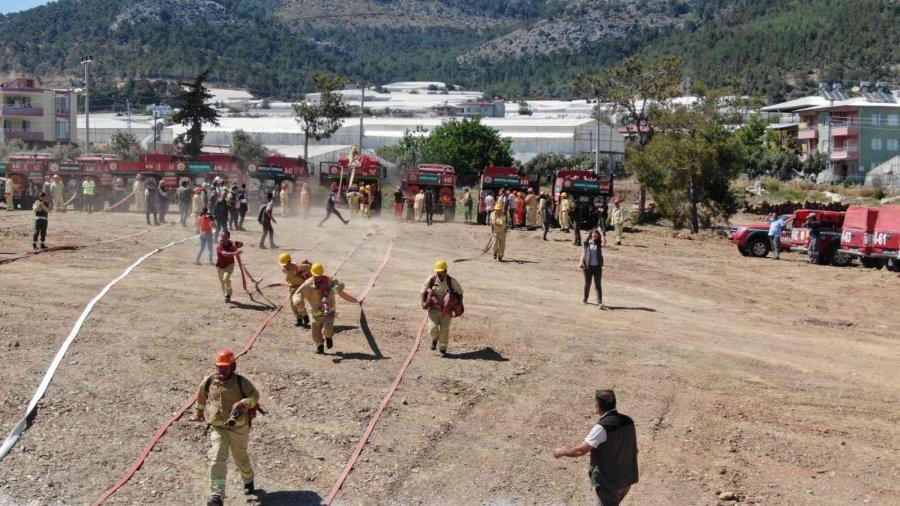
<point>467,204</point>
<point>151,203</point>
<point>815,232</point>
<point>429,206</point>
<point>612,444</point>
<point>243,206</point>
<point>205,227</point>
<point>776,226</point>
<point>592,265</point>
<point>267,218</point>
<point>220,214</point>
<point>183,197</point>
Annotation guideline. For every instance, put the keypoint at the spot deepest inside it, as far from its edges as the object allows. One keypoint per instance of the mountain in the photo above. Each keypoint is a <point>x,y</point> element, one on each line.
<point>512,48</point>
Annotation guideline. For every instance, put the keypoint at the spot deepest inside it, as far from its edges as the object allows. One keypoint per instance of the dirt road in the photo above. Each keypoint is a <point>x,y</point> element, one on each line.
<point>775,381</point>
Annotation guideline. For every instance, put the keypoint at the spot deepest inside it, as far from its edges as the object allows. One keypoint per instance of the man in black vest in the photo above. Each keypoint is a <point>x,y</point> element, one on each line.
<point>612,443</point>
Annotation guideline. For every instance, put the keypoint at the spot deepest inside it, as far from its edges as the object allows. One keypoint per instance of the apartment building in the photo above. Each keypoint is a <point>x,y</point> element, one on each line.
<point>38,116</point>
<point>856,133</point>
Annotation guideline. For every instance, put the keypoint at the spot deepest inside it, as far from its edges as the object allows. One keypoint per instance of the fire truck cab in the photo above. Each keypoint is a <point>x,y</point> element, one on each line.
<point>589,191</point>
<point>336,177</point>
<point>441,179</point>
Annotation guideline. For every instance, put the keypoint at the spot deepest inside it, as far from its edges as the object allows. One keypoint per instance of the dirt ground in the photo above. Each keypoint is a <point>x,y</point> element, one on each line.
<point>774,381</point>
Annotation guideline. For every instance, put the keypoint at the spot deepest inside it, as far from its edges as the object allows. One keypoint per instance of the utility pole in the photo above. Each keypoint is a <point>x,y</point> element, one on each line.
<point>128,114</point>
<point>362,107</point>
<point>155,131</point>
<point>86,61</point>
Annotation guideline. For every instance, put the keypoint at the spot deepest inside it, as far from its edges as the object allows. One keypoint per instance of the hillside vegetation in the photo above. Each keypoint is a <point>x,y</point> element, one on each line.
<point>513,48</point>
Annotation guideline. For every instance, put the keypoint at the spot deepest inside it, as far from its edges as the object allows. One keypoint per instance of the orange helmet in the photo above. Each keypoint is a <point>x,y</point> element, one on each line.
<point>225,358</point>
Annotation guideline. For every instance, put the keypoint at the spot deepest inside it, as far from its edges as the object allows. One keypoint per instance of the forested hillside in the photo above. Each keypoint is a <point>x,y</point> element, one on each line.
<point>513,48</point>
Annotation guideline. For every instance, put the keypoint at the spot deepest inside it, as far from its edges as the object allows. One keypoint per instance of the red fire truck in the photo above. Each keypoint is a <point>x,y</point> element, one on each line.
<point>23,169</point>
<point>441,179</point>
<point>830,236</point>
<point>336,177</point>
<point>886,237</point>
<point>587,189</point>
<point>857,235</point>
<point>274,171</point>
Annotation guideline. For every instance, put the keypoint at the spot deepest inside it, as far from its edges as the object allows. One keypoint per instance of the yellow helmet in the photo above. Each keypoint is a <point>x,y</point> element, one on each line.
<point>368,187</point>
<point>498,207</point>
<point>440,266</point>
<point>563,194</point>
<point>317,269</point>
<point>284,258</point>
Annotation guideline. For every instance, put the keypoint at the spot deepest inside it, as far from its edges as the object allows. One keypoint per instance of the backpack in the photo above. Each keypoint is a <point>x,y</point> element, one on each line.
<point>262,212</point>
<point>452,303</point>
<point>251,413</point>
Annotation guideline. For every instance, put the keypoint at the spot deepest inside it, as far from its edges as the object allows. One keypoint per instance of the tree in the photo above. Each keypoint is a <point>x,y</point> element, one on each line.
<point>12,147</point>
<point>63,152</point>
<point>525,109</point>
<point>689,164</point>
<point>319,121</point>
<point>467,145</point>
<point>246,149</point>
<point>125,146</point>
<point>633,87</point>
<point>194,111</point>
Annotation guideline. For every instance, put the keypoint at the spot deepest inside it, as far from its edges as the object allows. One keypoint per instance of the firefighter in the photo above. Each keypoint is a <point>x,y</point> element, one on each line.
<point>531,210</point>
<point>88,190</point>
<point>295,275</point>
<point>499,223</point>
<point>304,201</point>
<point>320,291</point>
<point>56,194</point>
<point>365,201</point>
<point>419,204</point>
<point>138,190</point>
<point>41,218</point>
<point>617,219</point>
<point>564,207</point>
<point>434,295</point>
<point>233,402</point>
<point>283,197</point>
<point>330,209</point>
<point>226,250</point>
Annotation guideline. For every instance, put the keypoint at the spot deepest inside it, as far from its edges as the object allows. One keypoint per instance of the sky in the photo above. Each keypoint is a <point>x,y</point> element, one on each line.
<point>7,6</point>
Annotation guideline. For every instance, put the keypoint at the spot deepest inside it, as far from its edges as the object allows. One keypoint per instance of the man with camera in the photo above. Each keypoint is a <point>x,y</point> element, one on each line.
<point>233,402</point>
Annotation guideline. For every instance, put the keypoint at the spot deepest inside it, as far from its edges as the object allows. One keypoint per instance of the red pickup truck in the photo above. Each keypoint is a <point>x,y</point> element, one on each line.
<point>829,239</point>
<point>752,239</point>
<point>858,233</point>
<point>886,237</point>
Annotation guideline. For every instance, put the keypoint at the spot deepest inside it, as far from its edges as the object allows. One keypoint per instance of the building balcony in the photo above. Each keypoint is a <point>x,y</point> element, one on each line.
<point>24,135</point>
<point>845,153</point>
<point>19,110</point>
<point>847,130</point>
<point>808,133</point>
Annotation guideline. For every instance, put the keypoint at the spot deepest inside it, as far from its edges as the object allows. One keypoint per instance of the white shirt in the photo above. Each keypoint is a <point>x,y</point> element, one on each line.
<point>597,435</point>
<point>489,203</point>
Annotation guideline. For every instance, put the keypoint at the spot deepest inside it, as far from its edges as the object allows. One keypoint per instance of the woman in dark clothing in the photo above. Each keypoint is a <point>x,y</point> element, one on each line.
<point>592,265</point>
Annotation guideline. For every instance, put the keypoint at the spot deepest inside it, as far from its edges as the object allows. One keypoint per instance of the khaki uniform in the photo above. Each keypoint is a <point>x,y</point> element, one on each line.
<point>11,189</point>
<point>322,324</point>
<point>499,223</point>
<point>617,218</point>
<point>531,211</point>
<point>353,200</point>
<point>139,199</point>
<point>285,204</point>
<point>438,324</point>
<point>564,218</point>
<point>222,395</point>
<point>296,277</point>
<point>56,195</point>
<point>419,205</point>
<point>225,278</point>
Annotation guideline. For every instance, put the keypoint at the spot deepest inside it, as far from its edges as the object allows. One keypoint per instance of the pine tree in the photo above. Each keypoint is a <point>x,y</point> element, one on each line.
<point>195,111</point>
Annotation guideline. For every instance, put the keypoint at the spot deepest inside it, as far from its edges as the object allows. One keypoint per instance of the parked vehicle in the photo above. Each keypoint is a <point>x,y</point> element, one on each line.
<point>886,237</point>
<point>442,181</point>
<point>752,239</point>
<point>336,176</point>
<point>586,188</point>
<point>830,238</point>
<point>857,235</point>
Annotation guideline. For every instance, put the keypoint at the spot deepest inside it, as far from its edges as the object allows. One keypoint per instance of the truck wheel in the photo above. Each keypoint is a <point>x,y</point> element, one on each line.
<point>758,246</point>
<point>839,259</point>
<point>871,263</point>
<point>893,265</point>
<point>743,251</point>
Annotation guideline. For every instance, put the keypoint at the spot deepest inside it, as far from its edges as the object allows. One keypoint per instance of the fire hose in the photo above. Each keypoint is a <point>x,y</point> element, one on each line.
<point>31,411</point>
<point>253,337</point>
<point>72,247</point>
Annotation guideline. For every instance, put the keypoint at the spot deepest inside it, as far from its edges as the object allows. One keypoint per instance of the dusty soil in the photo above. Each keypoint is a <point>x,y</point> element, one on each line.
<point>774,381</point>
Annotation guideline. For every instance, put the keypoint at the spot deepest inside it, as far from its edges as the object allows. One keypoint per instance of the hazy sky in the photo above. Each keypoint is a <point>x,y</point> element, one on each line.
<point>19,5</point>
